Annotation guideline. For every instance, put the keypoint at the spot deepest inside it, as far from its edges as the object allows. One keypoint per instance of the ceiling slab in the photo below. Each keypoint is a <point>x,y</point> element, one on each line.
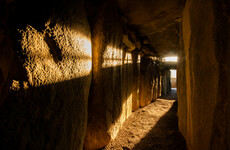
<point>156,21</point>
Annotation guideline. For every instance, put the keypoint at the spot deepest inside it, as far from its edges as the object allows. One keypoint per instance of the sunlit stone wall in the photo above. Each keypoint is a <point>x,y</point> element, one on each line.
<point>110,102</point>
<point>46,106</point>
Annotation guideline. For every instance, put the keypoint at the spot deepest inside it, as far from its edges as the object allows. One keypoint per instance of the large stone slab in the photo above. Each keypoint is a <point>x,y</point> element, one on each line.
<point>206,44</point>
<point>110,101</point>
<point>46,106</point>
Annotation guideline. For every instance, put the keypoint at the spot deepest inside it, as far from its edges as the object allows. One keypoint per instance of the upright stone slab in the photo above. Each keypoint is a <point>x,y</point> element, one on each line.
<point>207,50</point>
<point>46,106</point>
<point>146,81</point>
<point>110,101</point>
<point>136,80</point>
<point>166,86</point>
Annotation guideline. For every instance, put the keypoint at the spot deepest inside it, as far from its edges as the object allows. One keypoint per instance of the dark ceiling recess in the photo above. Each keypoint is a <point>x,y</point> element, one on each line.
<point>157,23</point>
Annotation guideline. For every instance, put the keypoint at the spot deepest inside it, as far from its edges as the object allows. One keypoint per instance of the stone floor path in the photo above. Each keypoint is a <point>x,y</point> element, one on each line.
<point>153,127</point>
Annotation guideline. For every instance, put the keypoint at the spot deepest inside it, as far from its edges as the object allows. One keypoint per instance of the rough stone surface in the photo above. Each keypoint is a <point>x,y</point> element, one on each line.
<point>205,121</point>
<point>136,80</point>
<point>149,76</point>
<point>110,102</point>
<point>46,106</point>
<point>46,67</point>
<point>166,85</point>
<point>181,90</point>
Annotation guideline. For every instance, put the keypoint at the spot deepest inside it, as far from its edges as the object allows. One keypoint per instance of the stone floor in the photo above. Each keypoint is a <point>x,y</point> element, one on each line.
<point>153,127</point>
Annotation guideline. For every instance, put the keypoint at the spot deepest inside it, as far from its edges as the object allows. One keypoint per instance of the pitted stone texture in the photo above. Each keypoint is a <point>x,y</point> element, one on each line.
<point>110,101</point>
<point>46,108</point>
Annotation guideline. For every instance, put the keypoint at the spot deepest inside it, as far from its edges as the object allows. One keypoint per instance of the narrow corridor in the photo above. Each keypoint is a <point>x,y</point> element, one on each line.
<point>152,127</point>
<point>97,74</point>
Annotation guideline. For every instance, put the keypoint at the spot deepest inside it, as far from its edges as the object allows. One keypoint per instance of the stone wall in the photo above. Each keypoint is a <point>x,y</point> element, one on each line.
<point>204,99</point>
<point>111,98</point>
<point>69,74</point>
<point>149,81</point>
<point>166,85</point>
<point>136,80</point>
<point>181,89</point>
<point>47,67</point>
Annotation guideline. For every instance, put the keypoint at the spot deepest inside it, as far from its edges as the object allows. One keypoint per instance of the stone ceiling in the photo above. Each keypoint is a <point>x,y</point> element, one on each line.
<point>157,22</point>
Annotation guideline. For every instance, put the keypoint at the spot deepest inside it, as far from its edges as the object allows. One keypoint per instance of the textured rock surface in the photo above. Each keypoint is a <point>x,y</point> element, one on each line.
<point>136,80</point>
<point>146,81</point>
<point>110,102</point>
<point>149,85</point>
<point>181,90</point>
<point>47,107</point>
<point>46,67</point>
<point>205,122</point>
<point>166,85</point>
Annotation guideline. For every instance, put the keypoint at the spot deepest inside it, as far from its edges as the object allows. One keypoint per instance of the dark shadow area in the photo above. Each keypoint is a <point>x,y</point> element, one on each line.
<point>111,91</point>
<point>46,117</point>
<point>54,49</point>
<point>165,134</point>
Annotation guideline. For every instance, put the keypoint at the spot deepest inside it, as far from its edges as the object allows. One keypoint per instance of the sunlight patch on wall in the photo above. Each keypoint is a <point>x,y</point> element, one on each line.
<point>128,58</point>
<point>139,59</point>
<point>125,113</point>
<point>56,54</point>
<point>112,57</point>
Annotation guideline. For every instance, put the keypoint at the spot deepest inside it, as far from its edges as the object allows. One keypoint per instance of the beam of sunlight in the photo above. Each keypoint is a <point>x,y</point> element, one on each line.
<point>112,57</point>
<point>128,58</point>
<point>125,113</point>
<point>71,48</point>
<point>139,59</point>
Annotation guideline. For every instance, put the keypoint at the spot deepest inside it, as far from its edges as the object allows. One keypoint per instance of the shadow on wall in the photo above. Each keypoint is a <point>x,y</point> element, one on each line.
<point>18,15</point>
<point>45,117</point>
<point>164,135</point>
<point>51,111</point>
<point>149,81</point>
<point>51,114</point>
<point>110,103</point>
<point>48,116</point>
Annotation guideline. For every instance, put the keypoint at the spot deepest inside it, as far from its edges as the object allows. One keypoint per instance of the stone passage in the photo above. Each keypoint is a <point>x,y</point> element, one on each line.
<point>152,127</point>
